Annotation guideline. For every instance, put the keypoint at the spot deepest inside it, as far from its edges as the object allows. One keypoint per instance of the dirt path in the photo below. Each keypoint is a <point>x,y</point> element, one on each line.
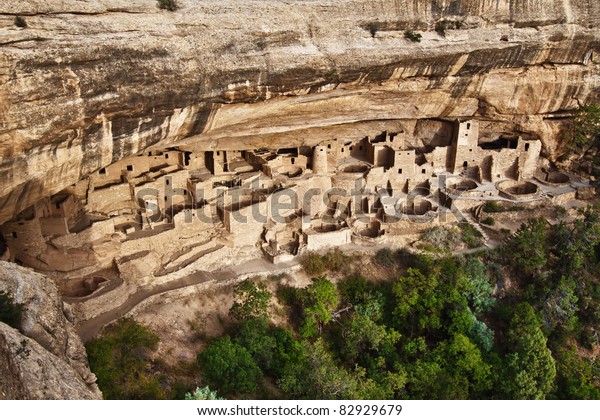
<point>89,328</point>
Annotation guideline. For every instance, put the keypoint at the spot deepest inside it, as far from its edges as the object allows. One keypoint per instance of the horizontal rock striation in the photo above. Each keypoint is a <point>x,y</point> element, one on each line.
<point>86,84</point>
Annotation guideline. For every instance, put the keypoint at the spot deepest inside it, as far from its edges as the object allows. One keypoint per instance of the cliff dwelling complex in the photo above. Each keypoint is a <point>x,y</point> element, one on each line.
<point>165,214</point>
<point>156,154</point>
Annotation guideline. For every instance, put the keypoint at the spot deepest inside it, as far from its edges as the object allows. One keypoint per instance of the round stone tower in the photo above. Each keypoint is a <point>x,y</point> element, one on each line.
<point>319,161</point>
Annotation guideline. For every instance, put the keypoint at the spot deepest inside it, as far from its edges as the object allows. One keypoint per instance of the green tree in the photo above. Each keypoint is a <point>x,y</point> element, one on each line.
<point>481,290</point>
<point>121,361</point>
<point>463,361</point>
<point>251,300</point>
<point>578,376</point>
<point>363,336</point>
<point>319,377</point>
<point>272,348</point>
<point>424,298</point>
<point>10,312</point>
<point>319,299</point>
<point>560,308</point>
<point>530,369</point>
<point>416,301</point>
<point>255,336</point>
<point>482,335</point>
<point>455,369</point>
<point>288,351</point>
<point>229,367</point>
<point>586,126</point>
<point>527,249</point>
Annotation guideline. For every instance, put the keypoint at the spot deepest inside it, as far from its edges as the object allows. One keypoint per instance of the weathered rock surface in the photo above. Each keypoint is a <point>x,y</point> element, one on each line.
<point>46,359</point>
<point>88,83</point>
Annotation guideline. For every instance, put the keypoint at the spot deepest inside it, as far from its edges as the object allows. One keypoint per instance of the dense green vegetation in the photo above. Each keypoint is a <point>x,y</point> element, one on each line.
<point>10,312</point>
<point>582,139</point>
<point>586,126</point>
<point>518,322</point>
<point>120,359</point>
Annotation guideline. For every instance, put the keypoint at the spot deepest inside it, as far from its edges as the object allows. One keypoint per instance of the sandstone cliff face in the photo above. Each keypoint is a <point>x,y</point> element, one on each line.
<point>46,360</point>
<point>88,83</point>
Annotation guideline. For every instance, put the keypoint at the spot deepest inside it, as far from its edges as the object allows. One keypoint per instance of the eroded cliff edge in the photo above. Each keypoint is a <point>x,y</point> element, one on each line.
<point>89,83</point>
<point>45,358</point>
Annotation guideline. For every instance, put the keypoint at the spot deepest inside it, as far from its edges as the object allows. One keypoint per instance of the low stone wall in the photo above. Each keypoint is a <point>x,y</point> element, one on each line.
<point>320,240</point>
<point>514,190</point>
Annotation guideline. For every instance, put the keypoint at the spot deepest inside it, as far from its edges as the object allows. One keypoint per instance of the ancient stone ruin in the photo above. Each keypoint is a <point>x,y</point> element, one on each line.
<point>164,214</point>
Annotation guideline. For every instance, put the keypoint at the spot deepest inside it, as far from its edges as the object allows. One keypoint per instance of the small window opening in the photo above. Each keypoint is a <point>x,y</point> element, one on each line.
<point>130,168</point>
<point>526,146</point>
<point>102,171</point>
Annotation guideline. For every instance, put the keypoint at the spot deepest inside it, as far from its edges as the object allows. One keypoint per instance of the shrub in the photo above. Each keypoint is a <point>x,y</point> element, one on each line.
<point>488,221</point>
<point>335,260</point>
<point>169,5</point>
<point>492,207</point>
<point>10,312</point>
<point>20,22</point>
<point>313,264</point>
<point>442,25</point>
<point>412,36</point>
<point>121,361</point>
<point>251,300</point>
<point>228,367</point>
<point>373,28</point>
<point>202,394</point>
<point>441,238</point>
<point>470,236</point>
